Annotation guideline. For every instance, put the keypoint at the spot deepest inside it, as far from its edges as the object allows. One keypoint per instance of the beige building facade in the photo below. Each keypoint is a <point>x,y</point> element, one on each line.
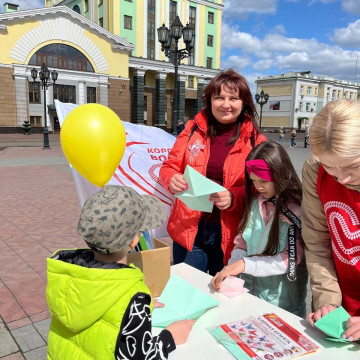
<point>296,97</point>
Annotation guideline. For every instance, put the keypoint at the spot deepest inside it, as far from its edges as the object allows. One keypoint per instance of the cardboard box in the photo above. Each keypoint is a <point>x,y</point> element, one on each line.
<point>155,264</point>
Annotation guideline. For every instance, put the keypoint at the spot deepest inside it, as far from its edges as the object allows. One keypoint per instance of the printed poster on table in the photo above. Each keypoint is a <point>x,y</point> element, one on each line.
<point>265,337</point>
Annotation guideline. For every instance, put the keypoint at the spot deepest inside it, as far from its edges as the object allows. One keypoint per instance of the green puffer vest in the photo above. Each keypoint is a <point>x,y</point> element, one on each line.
<point>87,307</point>
<point>276,289</point>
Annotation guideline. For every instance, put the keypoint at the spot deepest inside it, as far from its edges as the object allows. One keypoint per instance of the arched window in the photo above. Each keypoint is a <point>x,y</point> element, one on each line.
<point>61,56</point>
<point>77,9</point>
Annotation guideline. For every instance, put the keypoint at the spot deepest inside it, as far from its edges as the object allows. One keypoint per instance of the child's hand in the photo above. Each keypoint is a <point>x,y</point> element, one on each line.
<point>233,269</point>
<point>180,330</point>
<point>177,184</point>
<point>353,329</point>
<point>157,304</point>
<point>319,313</point>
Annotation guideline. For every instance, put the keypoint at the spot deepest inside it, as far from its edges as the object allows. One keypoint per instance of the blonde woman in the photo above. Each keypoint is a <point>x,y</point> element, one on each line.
<point>331,212</point>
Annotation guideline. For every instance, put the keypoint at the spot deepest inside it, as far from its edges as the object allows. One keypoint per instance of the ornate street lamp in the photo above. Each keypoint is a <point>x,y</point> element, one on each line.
<point>261,99</point>
<point>166,38</point>
<point>44,76</point>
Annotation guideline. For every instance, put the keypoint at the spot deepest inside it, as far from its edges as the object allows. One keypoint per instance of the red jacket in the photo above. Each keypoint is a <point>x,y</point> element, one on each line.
<point>183,222</point>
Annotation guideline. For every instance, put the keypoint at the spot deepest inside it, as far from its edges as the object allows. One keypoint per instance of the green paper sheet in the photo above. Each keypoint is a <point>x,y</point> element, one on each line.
<point>334,324</point>
<point>197,196</point>
<point>182,301</point>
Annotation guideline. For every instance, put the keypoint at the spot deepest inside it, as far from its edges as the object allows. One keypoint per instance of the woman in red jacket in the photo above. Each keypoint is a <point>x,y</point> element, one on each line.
<point>216,144</point>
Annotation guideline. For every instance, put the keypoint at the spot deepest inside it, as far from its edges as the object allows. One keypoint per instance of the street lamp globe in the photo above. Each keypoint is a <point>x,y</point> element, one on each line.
<point>176,28</point>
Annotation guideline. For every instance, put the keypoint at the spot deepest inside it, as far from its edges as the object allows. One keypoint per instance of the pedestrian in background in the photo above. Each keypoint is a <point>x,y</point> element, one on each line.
<point>216,144</point>
<point>292,137</point>
<point>306,139</point>
<point>180,127</point>
<point>281,135</point>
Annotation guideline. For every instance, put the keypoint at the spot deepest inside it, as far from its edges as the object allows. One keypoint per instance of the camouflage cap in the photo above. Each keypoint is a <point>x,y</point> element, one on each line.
<point>111,218</point>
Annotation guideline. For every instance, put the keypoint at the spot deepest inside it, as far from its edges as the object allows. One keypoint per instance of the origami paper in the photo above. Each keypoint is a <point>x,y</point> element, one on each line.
<point>197,196</point>
<point>232,286</point>
<point>334,324</point>
<point>182,301</point>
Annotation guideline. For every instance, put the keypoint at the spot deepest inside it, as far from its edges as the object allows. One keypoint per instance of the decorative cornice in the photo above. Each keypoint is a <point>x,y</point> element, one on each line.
<point>209,4</point>
<point>168,67</point>
<point>43,12</point>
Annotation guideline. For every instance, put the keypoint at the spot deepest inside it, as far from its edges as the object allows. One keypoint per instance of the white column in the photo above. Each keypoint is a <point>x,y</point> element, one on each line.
<point>82,92</point>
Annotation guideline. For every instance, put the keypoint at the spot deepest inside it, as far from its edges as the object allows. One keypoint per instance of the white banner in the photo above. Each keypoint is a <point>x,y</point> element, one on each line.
<point>146,148</point>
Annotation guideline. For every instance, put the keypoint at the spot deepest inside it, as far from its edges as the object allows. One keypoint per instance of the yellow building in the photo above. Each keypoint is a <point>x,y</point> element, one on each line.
<point>93,64</point>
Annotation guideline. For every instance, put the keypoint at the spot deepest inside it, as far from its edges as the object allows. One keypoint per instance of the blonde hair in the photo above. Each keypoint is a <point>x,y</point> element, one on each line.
<point>336,129</point>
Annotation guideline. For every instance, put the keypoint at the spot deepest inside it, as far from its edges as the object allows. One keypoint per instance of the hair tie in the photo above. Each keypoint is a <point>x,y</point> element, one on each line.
<point>260,168</point>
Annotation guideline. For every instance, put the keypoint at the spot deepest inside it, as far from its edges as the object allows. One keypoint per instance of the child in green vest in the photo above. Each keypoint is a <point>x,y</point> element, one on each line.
<point>101,307</point>
<point>269,250</point>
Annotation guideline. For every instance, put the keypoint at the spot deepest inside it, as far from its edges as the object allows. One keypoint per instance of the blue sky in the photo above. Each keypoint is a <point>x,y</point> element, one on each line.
<point>270,37</point>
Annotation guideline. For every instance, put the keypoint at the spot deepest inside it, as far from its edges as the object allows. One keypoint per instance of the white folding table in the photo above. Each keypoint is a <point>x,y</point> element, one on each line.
<point>202,346</point>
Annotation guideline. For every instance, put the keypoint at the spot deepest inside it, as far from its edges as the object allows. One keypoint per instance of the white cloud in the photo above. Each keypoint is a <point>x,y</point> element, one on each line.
<point>233,39</point>
<point>238,63</point>
<point>239,10</point>
<point>349,36</point>
<point>263,65</point>
<point>351,6</point>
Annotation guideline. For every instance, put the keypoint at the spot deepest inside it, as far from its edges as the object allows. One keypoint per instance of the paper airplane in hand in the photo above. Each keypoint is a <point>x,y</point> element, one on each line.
<point>197,196</point>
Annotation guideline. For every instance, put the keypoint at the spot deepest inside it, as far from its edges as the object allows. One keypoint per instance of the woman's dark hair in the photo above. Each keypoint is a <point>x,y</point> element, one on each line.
<point>287,188</point>
<point>232,82</point>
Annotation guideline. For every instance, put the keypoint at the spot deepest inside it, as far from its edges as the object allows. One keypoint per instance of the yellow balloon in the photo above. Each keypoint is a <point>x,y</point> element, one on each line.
<point>93,140</point>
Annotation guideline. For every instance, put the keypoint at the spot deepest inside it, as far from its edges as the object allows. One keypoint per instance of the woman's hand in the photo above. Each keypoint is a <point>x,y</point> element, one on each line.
<point>234,269</point>
<point>222,199</point>
<point>177,184</point>
<point>180,330</point>
<point>352,329</point>
<point>319,313</point>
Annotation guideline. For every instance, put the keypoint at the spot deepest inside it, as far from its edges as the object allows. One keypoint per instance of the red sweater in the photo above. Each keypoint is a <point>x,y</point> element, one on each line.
<point>342,209</point>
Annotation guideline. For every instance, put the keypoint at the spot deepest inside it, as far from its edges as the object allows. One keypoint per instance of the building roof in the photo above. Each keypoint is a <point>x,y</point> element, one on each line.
<point>118,42</point>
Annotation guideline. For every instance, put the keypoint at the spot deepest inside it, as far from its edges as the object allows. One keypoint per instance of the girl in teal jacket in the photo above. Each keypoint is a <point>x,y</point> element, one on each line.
<point>269,251</point>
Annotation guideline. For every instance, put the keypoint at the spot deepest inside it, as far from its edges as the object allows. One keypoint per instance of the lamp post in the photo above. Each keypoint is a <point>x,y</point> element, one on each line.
<point>261,99</point>
<point>44,76</point>
<point>166,36</point>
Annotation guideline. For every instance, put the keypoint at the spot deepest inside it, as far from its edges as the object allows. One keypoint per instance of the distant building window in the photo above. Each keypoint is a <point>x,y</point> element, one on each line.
<point>309,90</point>
<point>91,94</point>
<point>34,93</point>
<point>61,56</point>
<point>77,9</point>
<point>101,22</point>
<point>35,121</point>
<point>86,5</point>
<point>192,16</point>
<point>316,91</point>
<point>307,106</point>
<point>151,29</point>
<point>190,82</point>
<point>300,106</point>
<point>301,90</point>
<point>210,40</point>
<point>172,11</point>
<point>209,63</point>
<point>128,22</point>
<point>129,0</point>
<point>210,17</point>
<point>351,95</point>
<point>65,93</point>
<point>333,96</point>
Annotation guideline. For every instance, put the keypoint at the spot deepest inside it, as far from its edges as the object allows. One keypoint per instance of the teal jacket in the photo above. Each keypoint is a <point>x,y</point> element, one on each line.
<point>90,305</point>
<point>262,278</point>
